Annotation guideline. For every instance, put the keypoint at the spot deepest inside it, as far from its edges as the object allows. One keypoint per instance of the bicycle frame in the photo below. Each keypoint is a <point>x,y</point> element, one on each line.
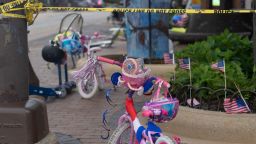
<point>87,70</point>
<point>91,55</point>
<point>126,118</point>
<point>131,117</point>
<point>92,73</point>
<point>92,64</point>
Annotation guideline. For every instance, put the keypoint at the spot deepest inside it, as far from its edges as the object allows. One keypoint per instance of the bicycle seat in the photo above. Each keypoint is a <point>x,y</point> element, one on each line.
<point>95,49</point>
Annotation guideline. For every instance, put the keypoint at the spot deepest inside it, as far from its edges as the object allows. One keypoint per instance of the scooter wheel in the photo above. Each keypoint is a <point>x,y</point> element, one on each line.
<point>71,84</point>
<point>68,88</point>
<point>61,92</point>
<point>164,140</point>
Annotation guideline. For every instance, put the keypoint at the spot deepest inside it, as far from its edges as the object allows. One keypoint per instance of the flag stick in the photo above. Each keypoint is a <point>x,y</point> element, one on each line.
<point>190,77</point>
<point>174,74</point>
<point>242,97</point>
<point>225,79</point>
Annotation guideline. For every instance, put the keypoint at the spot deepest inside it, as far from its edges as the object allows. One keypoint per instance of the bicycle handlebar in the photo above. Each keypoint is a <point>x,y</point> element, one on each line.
<point>134,89</point>
<point>110,61</point>
<point>165,83</point>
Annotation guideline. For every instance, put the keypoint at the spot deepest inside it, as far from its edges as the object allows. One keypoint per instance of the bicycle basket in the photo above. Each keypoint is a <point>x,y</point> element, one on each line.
<point>161,109</point>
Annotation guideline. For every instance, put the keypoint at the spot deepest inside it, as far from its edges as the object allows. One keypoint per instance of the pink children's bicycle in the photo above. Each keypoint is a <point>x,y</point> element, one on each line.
<point>91,77</point>
<point>161,108</point>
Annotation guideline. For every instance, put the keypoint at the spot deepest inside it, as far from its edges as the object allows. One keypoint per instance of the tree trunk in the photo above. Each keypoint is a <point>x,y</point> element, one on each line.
<point>254,32</point>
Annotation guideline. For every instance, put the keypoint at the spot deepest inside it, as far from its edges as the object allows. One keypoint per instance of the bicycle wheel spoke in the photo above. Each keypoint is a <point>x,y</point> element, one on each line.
<point>125,137</point>
<point>88,84</point>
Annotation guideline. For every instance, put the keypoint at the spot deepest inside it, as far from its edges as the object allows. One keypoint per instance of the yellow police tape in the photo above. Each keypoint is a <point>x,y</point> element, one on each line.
<point>8,6</point>
<point>34,6</point>
<point>146,10</point>
<point>149,10</point>
<point>13,15</point>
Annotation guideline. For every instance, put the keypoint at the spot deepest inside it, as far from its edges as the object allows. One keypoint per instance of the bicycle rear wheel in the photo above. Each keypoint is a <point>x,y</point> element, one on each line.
<point>123,135</point>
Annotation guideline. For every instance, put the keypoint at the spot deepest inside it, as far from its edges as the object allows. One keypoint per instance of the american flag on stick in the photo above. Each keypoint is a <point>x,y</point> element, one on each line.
<point>220,66</point>
<point>169,58</point>
<point>185,63</point>
<point>235,106</point>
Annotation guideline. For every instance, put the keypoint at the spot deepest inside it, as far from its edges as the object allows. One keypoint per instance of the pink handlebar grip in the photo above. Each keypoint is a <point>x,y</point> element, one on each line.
<point>165,83</point>
<point>110,61</point>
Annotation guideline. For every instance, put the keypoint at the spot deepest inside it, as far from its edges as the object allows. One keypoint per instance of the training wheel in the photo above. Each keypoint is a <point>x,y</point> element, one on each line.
<point>164,140</point>
<point>61,92</point>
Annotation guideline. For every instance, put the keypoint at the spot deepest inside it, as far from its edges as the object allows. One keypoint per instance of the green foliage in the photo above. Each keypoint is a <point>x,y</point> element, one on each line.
<point>238,55</point>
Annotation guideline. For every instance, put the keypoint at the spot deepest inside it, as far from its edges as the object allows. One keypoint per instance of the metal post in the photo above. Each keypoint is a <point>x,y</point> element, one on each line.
<point>150,33</point>
<point>254,32</point>
<point>147,33</point>
<point>66,72</point>
<point>59,74</point>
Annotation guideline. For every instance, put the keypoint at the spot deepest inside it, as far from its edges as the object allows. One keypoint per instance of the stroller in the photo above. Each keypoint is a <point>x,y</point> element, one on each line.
<point>70,36</point>
<point>68,41</point>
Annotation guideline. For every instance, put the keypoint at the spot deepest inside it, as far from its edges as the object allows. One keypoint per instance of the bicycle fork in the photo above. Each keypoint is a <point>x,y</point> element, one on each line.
<point>137,127</point>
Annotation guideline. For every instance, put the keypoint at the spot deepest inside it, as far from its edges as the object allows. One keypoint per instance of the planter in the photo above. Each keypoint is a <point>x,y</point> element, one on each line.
<point>209,99</point>
<point>212,126</point>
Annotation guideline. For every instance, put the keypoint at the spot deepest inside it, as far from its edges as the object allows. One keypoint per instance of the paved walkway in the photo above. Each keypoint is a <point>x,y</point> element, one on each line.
<point>72,115</point>
<point>75,116</point>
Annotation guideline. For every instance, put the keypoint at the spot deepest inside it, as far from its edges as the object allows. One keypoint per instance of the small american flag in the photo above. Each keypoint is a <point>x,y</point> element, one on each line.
<point>235,106</point>
<point>184,63</point>
<point>219,66</point>
<point>169,58</point>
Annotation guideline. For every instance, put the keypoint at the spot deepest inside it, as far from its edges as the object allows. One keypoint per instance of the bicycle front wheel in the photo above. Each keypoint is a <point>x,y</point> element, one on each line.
<point>88,87</point>
<point>123,135</point>
<point>100,77</point>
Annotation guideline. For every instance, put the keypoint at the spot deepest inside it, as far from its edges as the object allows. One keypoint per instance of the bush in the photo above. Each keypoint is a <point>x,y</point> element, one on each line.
<point>238,54</point>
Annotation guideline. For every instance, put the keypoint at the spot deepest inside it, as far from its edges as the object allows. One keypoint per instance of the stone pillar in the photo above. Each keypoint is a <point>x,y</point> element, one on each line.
<point>33,79</point>
<point>22,120</point>
<point>147,33</point>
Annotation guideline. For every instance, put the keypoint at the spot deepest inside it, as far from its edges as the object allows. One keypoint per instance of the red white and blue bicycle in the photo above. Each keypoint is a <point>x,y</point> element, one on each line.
<point>161,108</point>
